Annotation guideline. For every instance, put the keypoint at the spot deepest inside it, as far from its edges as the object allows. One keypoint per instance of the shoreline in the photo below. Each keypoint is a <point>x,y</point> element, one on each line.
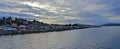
<point>18,32</point>
<point>15,26</point>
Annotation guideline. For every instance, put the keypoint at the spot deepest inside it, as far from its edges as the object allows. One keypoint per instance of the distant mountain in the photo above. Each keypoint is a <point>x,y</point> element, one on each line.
<point>111,24</point>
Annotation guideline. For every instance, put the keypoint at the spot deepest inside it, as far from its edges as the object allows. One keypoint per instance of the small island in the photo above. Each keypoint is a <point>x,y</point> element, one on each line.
<point>13,26</point>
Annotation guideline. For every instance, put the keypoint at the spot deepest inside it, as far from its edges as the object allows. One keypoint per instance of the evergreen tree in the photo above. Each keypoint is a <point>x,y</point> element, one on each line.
<point>4,21</point>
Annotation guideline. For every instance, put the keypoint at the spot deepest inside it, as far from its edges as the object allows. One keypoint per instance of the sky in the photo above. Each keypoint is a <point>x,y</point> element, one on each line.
<point>63,11</point>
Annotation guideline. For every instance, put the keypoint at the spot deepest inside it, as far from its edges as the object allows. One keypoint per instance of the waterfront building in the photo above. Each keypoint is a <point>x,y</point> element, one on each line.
<point>14,25</point>
<point>22,27</point>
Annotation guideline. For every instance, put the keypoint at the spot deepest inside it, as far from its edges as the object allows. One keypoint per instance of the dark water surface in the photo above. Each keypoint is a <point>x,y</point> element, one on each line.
<point>92,38</point>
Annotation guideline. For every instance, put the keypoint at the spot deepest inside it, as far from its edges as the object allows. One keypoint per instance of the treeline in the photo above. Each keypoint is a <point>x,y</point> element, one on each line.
<point>9,21</point>
<point>19,21</point>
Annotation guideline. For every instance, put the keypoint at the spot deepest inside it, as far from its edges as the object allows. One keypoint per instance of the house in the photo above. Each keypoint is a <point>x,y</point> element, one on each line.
<point>22,27</point>
<point>14,25</point>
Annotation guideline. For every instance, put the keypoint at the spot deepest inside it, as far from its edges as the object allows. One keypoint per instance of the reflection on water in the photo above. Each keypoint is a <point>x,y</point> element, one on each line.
<point>93,38</point>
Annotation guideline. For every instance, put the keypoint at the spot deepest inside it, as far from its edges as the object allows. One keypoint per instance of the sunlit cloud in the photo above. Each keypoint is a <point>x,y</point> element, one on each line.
<point>47,7</point>
<point>63,11</point>
<point>115,18</point>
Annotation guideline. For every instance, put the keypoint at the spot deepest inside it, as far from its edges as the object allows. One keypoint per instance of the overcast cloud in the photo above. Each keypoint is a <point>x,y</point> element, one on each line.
<point>63,11</point>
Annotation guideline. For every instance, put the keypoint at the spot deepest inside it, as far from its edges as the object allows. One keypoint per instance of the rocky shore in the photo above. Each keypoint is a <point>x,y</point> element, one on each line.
<point>16,32</point>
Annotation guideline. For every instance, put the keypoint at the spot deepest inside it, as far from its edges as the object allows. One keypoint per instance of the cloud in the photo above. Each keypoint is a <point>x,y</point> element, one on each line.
<point>115,18</point>
<point>63,11</point>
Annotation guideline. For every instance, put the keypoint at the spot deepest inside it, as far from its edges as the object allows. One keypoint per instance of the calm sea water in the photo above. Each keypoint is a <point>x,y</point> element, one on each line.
<point>92,38</point>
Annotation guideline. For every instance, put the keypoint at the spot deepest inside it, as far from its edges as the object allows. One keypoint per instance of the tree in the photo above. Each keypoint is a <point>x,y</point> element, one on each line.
<point>3,18</point>
<point>34,20</point>
<point>9,20</point>
<point>4,21</point>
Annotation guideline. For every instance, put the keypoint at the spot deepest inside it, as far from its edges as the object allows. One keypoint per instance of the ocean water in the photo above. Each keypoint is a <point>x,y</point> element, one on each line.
<point>92,38</point>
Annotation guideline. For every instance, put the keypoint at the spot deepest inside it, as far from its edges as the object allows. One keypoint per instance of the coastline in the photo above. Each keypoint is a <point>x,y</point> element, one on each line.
<point>15,26</point>
<point>18,32</point>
